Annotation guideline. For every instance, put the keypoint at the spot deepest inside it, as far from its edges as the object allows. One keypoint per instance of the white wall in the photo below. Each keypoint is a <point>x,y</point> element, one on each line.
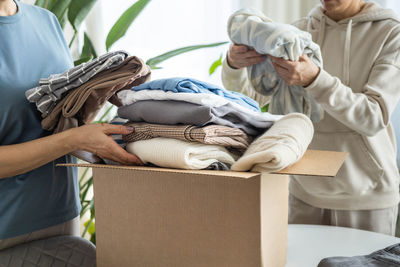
<point>285,11</point>
<point>167,25</point>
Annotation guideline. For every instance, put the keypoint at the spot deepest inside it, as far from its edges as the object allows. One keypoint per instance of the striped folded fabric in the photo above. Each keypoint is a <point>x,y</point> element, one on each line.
<point>81,105</point>
<point>52,89</point>
<point>211,134</point>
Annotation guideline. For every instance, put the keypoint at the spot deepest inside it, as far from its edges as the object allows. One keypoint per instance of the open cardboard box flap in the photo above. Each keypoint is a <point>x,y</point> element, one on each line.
<point>314,163</point>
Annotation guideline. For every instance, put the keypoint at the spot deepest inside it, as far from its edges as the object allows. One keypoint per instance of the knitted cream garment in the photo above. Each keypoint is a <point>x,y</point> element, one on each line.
<point>173,153</point>
<point>282,145</point>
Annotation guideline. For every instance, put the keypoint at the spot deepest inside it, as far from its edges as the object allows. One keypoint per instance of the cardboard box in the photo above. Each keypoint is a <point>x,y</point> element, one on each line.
<point>156,217</point>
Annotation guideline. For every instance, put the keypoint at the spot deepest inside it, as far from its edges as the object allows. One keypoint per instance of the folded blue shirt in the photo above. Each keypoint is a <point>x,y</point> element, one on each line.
<point>188,85</point>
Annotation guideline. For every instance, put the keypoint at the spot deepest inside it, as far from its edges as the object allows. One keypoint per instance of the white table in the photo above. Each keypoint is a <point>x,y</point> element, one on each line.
<point>309,244</point>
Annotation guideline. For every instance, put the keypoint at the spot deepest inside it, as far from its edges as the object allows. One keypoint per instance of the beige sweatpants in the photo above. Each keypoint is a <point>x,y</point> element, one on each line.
<point>380,220</point>
<point>68,228</point>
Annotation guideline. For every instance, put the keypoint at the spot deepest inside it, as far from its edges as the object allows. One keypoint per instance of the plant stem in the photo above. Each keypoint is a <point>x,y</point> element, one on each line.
<point>73,39</point>
<point>104,115</point>
<point>83,176</point>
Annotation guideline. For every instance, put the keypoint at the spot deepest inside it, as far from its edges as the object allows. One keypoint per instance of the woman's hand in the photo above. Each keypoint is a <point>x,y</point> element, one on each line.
<point>302,72</point>
<point>20,158</point>
<point>240,56</point>
<point>96,138</point>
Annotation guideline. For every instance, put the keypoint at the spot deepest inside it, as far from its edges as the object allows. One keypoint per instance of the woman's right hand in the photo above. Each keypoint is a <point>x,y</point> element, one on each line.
<point>240,56</point>
<point>96,138</point>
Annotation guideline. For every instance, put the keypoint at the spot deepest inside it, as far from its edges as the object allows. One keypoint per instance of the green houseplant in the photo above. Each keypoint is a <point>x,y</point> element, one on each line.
<point>74,12</point>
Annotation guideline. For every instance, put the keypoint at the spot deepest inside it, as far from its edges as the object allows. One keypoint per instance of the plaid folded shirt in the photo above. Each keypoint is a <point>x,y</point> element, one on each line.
<point>211,134</point>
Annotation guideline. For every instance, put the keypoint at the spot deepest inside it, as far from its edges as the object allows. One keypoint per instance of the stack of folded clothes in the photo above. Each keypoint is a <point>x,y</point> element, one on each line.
<point>188,124</point>
<point>74,98</point>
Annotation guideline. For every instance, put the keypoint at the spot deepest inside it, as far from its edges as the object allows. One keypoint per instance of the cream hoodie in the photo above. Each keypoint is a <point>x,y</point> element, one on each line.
<point>358,89</point>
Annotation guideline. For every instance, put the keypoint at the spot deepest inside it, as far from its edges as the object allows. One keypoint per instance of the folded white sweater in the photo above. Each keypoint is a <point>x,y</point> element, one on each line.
<point>173,153</point>
<point>279,147</point>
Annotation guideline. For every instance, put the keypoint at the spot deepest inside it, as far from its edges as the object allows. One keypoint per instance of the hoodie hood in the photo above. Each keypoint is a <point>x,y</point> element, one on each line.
<point>318,21</point>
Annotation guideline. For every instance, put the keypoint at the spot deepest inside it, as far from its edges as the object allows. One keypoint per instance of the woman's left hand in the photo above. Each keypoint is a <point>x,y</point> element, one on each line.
<point>302,72</point>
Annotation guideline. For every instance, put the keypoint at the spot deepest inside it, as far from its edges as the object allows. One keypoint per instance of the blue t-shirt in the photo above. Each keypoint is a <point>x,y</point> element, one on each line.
<point>32,46</point>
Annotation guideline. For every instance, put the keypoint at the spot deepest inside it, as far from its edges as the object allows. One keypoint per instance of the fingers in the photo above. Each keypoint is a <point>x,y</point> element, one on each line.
<point>252,60</point>
<point>95,138</point>
<point>286,64</point>
<point>304,58</point>
<point>240,56</point>
<point>302,72</point>
<point>285,69</point>
<point>249,54</point>
<point>125,157</point>
<point>280,70</point>
<point>116,129</point>
<point>118,154</point>
<point>238,49</point>
<point>245,59</point>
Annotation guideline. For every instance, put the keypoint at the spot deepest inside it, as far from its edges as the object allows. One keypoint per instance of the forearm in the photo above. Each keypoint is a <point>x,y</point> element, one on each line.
<point>367,112</point>
<point>24,157</point>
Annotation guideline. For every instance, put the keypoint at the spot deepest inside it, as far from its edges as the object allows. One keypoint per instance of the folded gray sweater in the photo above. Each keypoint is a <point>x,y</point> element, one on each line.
<point>178,112</point>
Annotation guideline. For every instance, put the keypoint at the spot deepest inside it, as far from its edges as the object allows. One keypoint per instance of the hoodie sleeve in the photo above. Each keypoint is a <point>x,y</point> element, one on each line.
<point>367,112</point>
<point>237,80</point>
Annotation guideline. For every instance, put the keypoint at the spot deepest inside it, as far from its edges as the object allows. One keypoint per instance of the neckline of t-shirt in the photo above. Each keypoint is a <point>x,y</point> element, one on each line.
<point>13,18</point>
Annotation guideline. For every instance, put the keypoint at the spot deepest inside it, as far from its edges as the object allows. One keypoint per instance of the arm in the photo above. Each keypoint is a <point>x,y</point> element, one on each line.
<point>234,72</point>
<point>24,157</point>
<point>366,112</point>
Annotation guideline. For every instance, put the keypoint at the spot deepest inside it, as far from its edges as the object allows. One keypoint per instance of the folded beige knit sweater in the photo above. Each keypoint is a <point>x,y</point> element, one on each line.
<point>279,147</point>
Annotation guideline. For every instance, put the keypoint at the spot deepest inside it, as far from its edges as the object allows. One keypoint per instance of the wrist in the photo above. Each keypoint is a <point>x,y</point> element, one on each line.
<point>313,77</point>
<point>228,61</point>
<point>70,140</point>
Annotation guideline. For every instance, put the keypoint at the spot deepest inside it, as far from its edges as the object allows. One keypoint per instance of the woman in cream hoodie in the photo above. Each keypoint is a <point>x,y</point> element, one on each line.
<point>358,88</point>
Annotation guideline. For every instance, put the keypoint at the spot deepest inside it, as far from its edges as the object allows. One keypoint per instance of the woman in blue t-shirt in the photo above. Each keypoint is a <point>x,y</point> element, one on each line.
<point>39,199</point>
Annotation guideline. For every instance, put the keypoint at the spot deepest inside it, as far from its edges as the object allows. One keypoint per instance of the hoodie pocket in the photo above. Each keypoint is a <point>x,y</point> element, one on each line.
<point>360,172</point>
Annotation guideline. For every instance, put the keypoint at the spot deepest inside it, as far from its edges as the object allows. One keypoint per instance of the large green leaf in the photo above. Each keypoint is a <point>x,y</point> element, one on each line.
<point>88,51</point>
<point>60,8</point>
<point>153,62</point>
<point>78,10</point>
<point>64,20</point>
<point>48,4</point>
<point>124,22</point>
<point>82,60</point>
<point>88,48</point>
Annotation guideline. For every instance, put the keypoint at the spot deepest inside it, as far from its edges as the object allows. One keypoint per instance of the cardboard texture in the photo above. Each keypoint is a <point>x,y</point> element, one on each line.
<point>156,217</point>
<point>317,163</point>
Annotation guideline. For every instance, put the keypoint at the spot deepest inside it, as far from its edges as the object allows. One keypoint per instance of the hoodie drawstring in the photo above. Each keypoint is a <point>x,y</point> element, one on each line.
<point>321,33</point>
<point>346,59</point>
